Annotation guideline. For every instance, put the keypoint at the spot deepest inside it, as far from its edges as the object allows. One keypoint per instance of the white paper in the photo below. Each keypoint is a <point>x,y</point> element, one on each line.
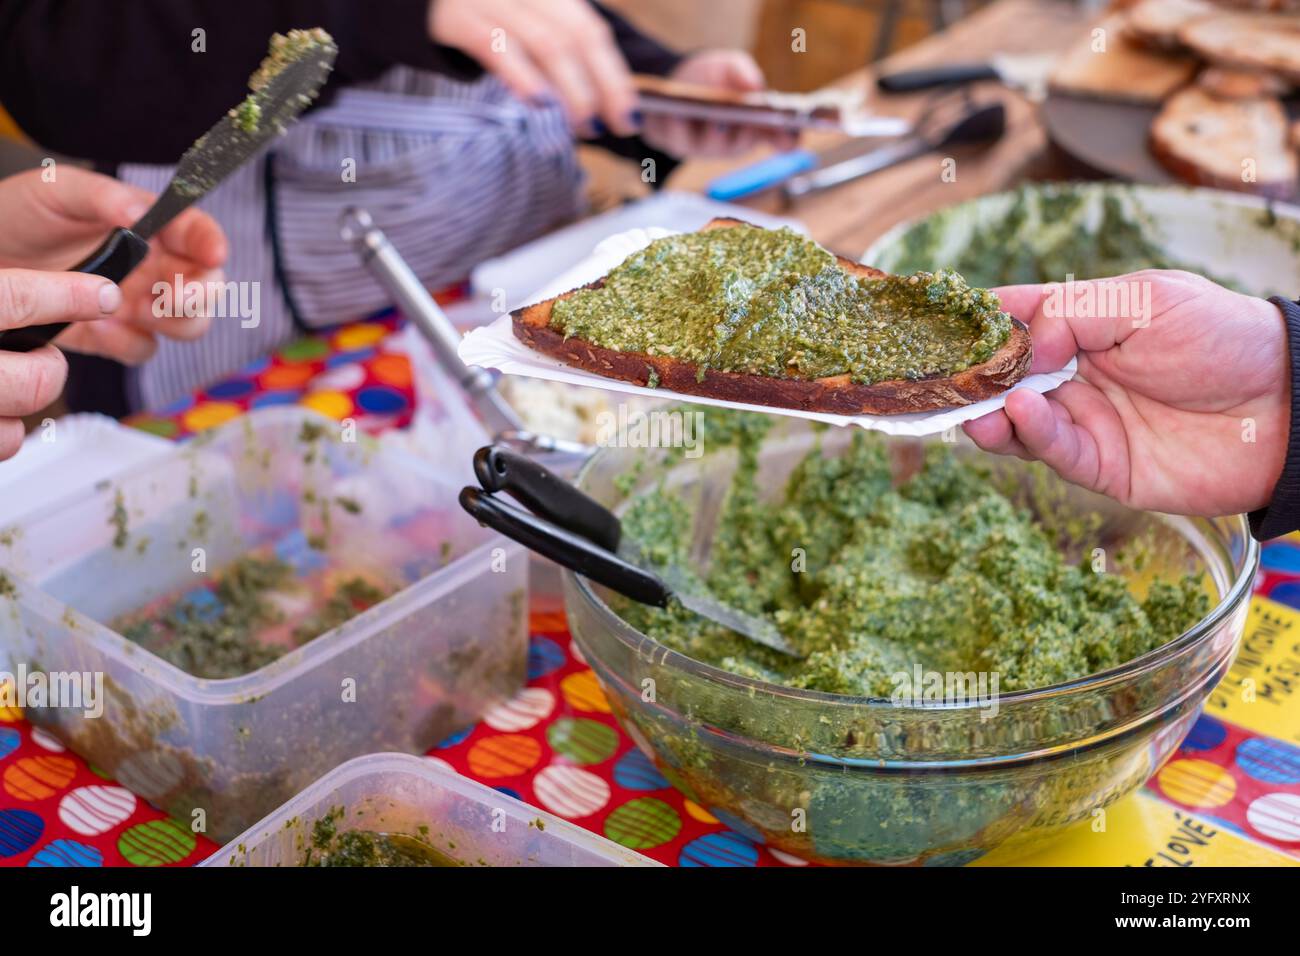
<point>495,346</point>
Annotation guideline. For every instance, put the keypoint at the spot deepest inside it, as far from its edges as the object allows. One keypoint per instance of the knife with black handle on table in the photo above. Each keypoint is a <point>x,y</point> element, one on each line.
<point>286,84</point>
<point>1026,72</point>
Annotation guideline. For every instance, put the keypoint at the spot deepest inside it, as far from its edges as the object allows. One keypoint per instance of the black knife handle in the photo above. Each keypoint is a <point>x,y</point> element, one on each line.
<point>563,547</point>
<point>121,252</point>
<point>910,81</point>
<point>546,494</point>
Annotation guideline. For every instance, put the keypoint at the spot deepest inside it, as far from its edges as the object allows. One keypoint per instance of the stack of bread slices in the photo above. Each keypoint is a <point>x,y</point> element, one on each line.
<point>1229,126</point>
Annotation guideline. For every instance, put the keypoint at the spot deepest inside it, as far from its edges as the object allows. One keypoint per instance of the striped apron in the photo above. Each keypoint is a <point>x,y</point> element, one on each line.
<point>453,172</point>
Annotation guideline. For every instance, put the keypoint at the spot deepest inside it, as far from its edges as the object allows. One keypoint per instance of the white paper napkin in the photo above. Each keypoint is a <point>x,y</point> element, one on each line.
<point>495,346</point>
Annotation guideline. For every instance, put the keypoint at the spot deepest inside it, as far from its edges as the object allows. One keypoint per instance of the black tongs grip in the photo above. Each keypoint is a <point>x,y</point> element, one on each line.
<point>545,494</point>
<point>563,523</point>
<point>565,548</point>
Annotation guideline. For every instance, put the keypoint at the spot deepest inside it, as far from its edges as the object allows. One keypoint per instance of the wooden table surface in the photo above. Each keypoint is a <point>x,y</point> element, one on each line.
<point>848,218</point>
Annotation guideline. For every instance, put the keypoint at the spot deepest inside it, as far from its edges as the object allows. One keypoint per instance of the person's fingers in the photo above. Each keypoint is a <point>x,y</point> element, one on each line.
<point>141,299</point>
<point>83,196</point>
<point>673,136</point>
<point>782,140</point>
<point>29,381</point>
<point>610,77</point>
<point>568,78</point>
<point>31,297</point>
<point>1076,433</point>
<point>1054,340</point>
<point>617,95</point>
<point>741,72</point>
<point>551,46</point>
<point>195,236</point>
<point>994,433</point>
<point>1067,318</point>
<point>11,437</point>
<point>712,139</point>
<point>111,339</point>
<point>182,328</point>
<point>516,70</point>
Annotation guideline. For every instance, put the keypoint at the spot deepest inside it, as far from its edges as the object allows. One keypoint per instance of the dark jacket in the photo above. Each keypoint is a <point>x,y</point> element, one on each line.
<point>1282,515</point>
<point>119,81</point>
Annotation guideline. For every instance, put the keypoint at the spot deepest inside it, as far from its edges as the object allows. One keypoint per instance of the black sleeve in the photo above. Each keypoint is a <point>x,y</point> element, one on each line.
<point>118,80</point>
<point>1282,515</point>
<point>644,55</point>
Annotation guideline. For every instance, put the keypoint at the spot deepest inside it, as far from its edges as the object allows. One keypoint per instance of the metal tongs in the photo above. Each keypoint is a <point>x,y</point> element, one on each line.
<point>392,272</point>
<point>574,530</point>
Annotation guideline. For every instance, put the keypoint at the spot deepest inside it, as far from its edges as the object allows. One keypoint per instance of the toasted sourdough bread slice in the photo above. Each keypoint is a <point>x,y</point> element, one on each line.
<point>1205,140</point>
<point>1251,41</point>
<point>1230,83</point>
<point>836,394</point>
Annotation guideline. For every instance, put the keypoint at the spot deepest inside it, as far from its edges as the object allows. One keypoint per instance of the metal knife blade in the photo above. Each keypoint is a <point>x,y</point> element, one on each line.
<point>288,80</point>
<point>275,102</point>
<point>688,591</point>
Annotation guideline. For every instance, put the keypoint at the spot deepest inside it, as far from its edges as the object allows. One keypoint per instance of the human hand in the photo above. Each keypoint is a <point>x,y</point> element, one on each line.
<point>1189,414</point>
<point>561,47</point>
<point>58,223</point>
<point>733,70</point>
<point>29,381</point>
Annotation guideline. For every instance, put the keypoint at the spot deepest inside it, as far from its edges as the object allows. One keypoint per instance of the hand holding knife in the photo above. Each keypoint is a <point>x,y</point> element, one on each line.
<point>286,83</point>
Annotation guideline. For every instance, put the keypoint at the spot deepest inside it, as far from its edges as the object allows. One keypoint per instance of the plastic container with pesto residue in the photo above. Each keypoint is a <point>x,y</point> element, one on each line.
<point>449,641</point>
<point>464,821</point>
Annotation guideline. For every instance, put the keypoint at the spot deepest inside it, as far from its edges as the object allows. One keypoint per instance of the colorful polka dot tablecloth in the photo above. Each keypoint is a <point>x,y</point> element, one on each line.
<point>1230,795</point>
<point>345,373</point>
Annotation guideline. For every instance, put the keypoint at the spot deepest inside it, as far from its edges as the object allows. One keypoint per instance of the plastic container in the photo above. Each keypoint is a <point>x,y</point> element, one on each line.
<point>220,754</point>
<point>875,781</point>
<point>397,793</point>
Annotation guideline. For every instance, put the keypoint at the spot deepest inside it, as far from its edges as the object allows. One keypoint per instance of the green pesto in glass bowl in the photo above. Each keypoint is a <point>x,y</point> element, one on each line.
<point>885,778</point>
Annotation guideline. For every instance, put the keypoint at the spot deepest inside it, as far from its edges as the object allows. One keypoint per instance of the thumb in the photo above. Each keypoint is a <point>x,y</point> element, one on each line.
<point>742,73</point>
<point>29,297</point>
<point>1066,318</point>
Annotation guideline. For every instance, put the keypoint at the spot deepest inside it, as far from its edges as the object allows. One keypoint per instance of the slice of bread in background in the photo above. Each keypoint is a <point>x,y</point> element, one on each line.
<point>1157,22</point>
<point>1125,71</point>
<point>1251,41</point>
<point>1228,83</point>
<point>1269,6</point>
<point>837,394</point>
<point>1209,141</point>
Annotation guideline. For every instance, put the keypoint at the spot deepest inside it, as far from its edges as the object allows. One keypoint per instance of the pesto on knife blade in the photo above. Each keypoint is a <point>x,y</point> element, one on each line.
<point>770,302</point>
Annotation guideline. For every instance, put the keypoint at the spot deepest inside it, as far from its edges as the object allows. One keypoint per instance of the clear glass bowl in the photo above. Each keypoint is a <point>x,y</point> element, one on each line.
<point>860,780</point>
